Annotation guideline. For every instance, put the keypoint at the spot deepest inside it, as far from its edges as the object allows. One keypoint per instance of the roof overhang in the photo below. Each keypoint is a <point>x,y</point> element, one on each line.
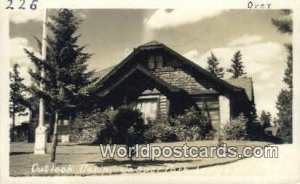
<point>221,85</point>
<point>130,75</point>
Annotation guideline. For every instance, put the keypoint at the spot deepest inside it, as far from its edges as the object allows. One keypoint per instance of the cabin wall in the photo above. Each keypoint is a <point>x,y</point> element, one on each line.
<point>210,106</point>
<point>163,107</point>
<point>184,80</point>
<point>225,112</point>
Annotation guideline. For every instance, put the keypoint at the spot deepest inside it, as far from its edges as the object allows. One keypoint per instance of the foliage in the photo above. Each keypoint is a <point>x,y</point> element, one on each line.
<point>128,125</point>
<point>88,128</point>
<point>66,75</point>
<point>257,125</point>
<point>64,84</point>
<point>213,66</point>
<point>121,126</point>
<point>255,131</point>
<point>17,96</point>
<point>236,129</point>
<point>285,116</point>
<point>284,102</point>
<point>237,67</point>
<point>191,125</point>
<point>288,73</point>
<point>284,23</point>
<point>265,119</point>
<point>160,131</point>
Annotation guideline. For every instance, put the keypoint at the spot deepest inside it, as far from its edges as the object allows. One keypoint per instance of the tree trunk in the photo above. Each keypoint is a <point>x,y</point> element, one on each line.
<point>54,139</point>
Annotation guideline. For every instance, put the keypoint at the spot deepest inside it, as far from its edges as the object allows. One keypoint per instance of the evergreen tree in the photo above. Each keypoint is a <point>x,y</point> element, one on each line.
<point>17,97</point>
<point>284,102</point>
<point>265,119</point>
<point>285,117</point>
<point>64,87</point>
<point>237,67</point>
<point>213,66</point>
<point>288,74</point>
<point>254,127</point>
<point>284,23</point>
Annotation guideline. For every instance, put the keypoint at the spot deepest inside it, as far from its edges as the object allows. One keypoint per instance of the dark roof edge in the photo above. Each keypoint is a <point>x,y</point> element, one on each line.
<point>148,74</point>
<point>161,45</point>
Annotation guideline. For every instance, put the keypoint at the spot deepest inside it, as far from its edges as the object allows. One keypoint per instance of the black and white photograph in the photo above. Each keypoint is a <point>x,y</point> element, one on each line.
<point>158,92</point>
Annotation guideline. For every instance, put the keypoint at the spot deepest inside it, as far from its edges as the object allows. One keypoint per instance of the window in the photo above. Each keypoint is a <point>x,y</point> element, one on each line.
<point>151,63</point>
<point>159,61</point>
<point>148,107</point>
<point>155,62</point>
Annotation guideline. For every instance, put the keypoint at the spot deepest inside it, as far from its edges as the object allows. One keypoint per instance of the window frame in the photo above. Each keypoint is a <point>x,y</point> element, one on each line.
<point>154,98</point>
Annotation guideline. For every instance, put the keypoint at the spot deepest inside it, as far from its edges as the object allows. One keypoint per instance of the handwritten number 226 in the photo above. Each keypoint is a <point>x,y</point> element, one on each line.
<point>21,5</point>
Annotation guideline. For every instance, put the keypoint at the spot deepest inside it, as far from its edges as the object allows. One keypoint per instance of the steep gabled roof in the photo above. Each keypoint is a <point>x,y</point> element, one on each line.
<point>153,45</point>
<point>162,85</point>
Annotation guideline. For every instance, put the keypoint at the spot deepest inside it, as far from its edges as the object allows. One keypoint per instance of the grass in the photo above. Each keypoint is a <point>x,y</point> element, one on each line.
<point>74,159</point>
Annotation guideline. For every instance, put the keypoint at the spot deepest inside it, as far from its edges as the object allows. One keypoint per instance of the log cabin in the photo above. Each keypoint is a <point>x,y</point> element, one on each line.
<point>162,83</point>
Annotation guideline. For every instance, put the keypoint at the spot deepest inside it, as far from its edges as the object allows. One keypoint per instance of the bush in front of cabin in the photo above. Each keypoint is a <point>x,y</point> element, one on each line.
<point>192,125</point>
<point>128,126</point>
<point>160,131</point>
<point>236,129</point>
<point>87,128</point>
<point>121,126</point>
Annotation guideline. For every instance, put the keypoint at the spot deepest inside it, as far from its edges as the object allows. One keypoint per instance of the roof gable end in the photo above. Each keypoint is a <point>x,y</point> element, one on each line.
<point>189,64</point>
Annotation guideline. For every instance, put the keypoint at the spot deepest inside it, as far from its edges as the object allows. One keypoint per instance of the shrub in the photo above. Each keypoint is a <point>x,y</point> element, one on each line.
<point>160,131</point>
<point>191,125</point>
<point>87,128</point>
<point>255,131</point>
<point>128,125</point>
<point>122,126</point>
<point>236,129</point>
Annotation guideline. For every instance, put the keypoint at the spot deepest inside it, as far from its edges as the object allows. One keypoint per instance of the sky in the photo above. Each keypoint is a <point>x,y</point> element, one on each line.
<point>111,34</point>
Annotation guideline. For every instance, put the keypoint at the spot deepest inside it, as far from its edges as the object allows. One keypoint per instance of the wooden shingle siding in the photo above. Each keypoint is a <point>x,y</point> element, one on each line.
<point>163,107</point>
<point>180,79</point>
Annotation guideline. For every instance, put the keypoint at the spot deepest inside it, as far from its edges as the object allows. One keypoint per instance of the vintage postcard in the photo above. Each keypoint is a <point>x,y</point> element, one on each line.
<point>150,91</point>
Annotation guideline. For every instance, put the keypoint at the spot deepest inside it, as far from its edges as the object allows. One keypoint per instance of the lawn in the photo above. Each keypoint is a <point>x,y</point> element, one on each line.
<point>74,159</point>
